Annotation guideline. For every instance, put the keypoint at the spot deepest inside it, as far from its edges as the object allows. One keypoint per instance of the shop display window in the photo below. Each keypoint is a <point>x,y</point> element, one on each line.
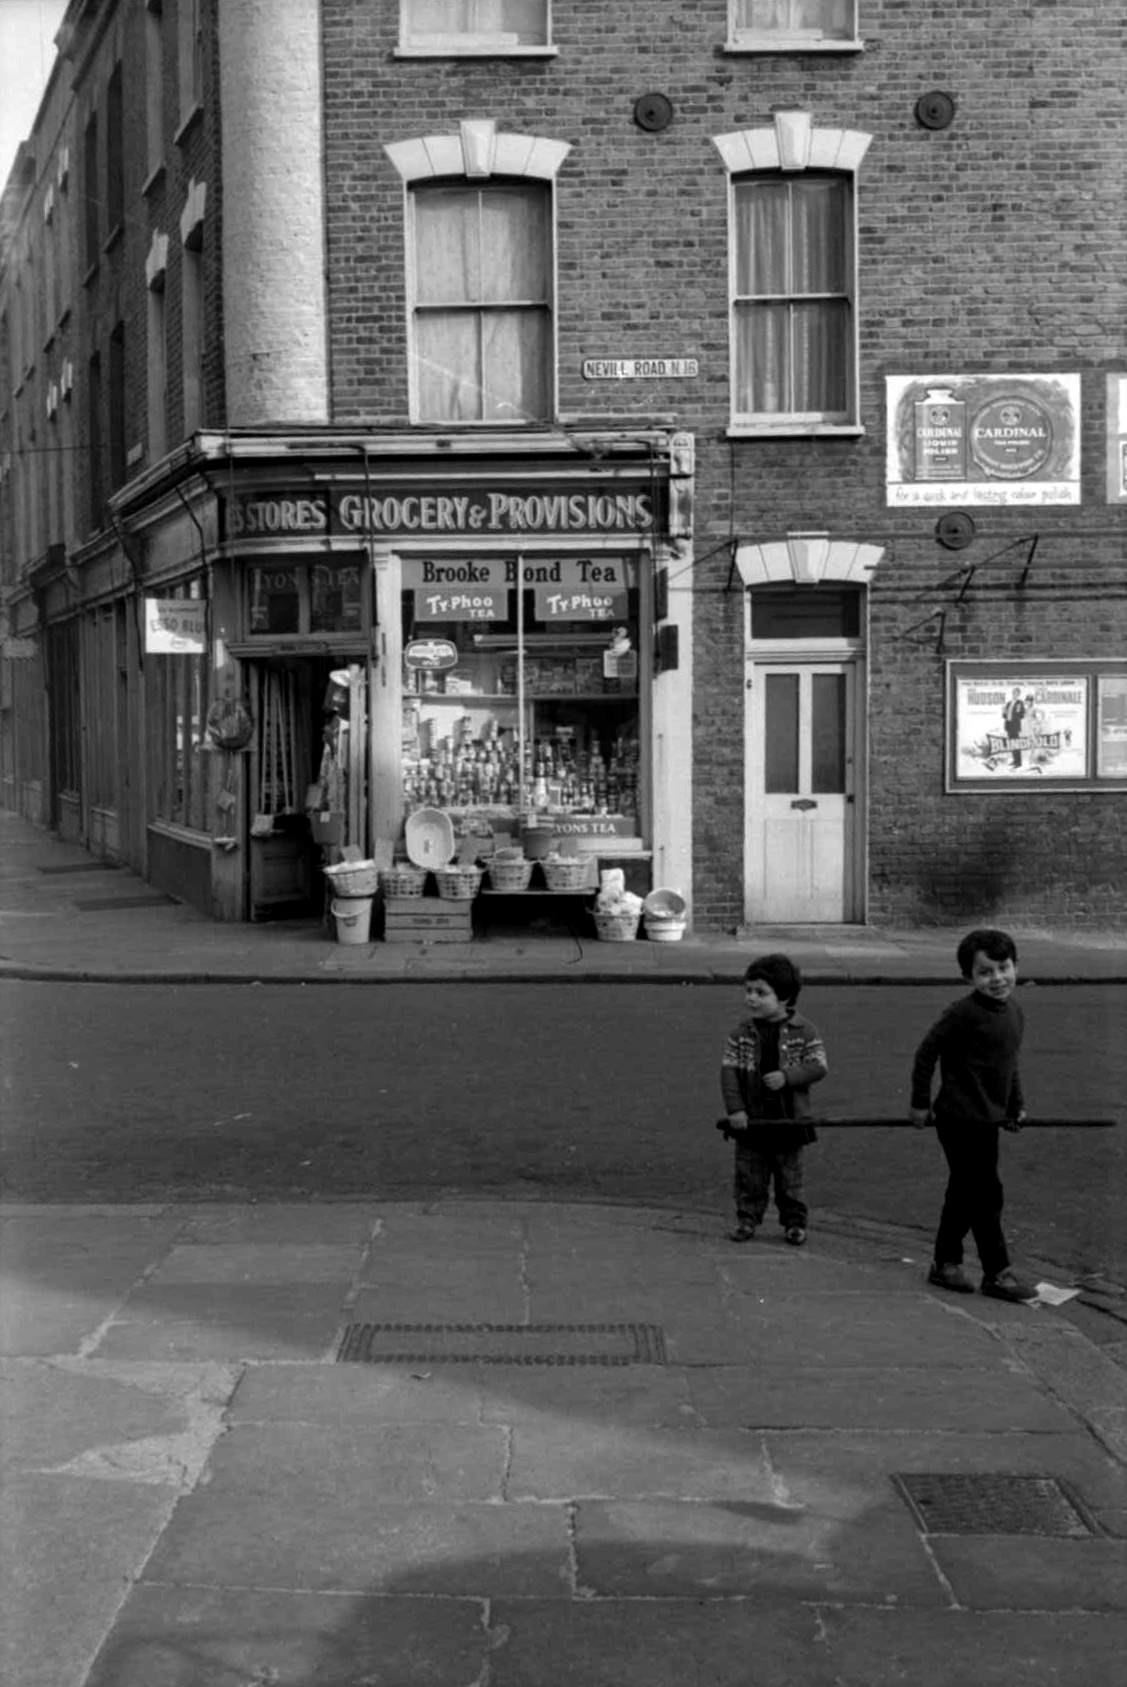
<point>520,704</point>
<point>289,595</point>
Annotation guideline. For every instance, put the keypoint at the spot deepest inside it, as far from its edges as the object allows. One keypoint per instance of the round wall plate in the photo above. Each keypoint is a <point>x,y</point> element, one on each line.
<point>955,530</point>
<point>653,112</point>
<point>935,110</point>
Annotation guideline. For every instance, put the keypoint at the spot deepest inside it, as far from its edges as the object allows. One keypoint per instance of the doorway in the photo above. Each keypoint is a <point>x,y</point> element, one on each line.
<point>803,823</point>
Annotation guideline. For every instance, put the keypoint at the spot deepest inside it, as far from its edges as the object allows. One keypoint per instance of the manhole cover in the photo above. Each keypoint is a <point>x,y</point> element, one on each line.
<point>502,1344</point>
<point>88,904</point>
<point>994,1504</point>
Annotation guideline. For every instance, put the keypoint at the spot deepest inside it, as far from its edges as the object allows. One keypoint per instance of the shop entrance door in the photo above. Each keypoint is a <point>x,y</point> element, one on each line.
<point>801,831</point>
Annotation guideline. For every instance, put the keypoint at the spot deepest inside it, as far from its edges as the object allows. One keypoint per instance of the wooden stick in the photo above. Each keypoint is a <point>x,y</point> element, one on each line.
<point>888,1123</point>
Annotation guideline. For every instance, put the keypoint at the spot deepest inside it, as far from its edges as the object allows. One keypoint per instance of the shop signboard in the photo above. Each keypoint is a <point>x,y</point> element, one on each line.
<point>1117,439</point>
<point>413,509</point>
<point>175,626</point>
<point>1001,440</point>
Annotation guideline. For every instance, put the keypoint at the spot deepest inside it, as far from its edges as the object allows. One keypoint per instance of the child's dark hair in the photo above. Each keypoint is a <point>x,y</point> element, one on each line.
<point>996,945</point>
<point>780,972</point>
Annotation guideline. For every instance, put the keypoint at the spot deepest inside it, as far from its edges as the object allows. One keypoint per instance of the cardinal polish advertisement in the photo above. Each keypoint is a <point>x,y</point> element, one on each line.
<point>1001,440</point>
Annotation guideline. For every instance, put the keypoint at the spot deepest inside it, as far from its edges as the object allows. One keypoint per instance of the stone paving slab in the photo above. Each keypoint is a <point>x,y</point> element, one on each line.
<point>283,1507</point>
<point>286,1223</point>
<point>573,1458</point>
<point>251,1333</point>
<point>356,1395</point>
<point>63,1274</point>
<point>498,1301</point>
<point>751,1549</point>
<point>951,1648</point>
<point>773,1394</point>
<point>147,1423</point>
<point>68,1547</point>
<point>988,1573</point>
<point>213,1637</point>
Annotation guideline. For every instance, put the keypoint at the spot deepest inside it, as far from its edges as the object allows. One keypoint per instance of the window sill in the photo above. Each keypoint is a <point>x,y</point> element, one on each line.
<point>468,51</point>
<point>91,274</point>
<point>789,44</point>
<point>796,430</point>
<point>187,122</point>
<point>114,237</point>
<point>153,179</point>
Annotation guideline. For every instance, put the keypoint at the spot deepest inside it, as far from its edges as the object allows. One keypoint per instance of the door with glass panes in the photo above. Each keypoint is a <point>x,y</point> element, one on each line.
<point>801,812</point>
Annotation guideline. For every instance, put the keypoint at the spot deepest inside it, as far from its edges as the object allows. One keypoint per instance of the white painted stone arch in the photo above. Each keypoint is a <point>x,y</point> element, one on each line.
<point>477,151</point>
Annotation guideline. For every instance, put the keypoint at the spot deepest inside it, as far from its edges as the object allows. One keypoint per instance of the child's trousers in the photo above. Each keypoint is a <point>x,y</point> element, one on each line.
<point>755,1168</point>
<point>974,1197</point>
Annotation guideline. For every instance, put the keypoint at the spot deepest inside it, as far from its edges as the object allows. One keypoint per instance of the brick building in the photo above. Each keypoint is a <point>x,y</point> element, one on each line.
<point>701,424</point>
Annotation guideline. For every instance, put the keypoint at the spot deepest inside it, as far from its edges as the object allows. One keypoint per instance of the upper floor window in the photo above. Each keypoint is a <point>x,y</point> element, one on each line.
<point>91,189</point>
<point>482,310</point>
<point>792,25</point>
<point>115,153</point>
<point>460,26</point>
<point>793,275</point>
<point>793,306</point>
<point>189,56</point>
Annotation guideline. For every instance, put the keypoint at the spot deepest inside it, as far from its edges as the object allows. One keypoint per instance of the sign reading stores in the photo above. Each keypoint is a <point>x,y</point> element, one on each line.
<point>401,511</point>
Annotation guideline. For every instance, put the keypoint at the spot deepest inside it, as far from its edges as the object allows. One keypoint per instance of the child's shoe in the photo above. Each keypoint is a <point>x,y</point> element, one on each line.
<point>744,1232</point>
<point>950,1276</point>
<point>795,1235</point>
<point>1007,1285</point>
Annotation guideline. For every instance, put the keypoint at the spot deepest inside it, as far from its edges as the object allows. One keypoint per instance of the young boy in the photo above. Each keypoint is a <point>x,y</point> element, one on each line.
<point>976,1042</point>
<point>770,1061</point>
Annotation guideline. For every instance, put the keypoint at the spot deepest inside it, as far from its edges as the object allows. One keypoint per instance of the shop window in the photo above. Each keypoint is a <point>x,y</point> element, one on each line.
<point>177,698</point>
<point>482,317</point>
<point>473,26</point>
<point>792,25</point>
<point>519,703</point>
<point>300,596</point>
<point>792,308</point>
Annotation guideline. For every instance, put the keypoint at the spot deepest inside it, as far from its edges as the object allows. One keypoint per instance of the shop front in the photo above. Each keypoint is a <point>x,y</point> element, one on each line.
<point>491,643</point>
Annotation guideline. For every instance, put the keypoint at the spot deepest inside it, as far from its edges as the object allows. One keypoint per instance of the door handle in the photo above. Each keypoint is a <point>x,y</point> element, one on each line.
<point>804,802</point>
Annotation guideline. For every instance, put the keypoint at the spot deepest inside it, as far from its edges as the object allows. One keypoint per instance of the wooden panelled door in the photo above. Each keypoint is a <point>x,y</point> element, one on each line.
<point>801,843</point>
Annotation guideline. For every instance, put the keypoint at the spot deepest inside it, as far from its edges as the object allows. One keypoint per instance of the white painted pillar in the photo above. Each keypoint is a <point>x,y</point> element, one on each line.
<point>274,297</point>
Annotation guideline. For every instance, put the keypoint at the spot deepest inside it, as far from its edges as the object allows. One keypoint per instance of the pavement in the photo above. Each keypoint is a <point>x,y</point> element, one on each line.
<point>66,915</point>
<point>463,1443</point>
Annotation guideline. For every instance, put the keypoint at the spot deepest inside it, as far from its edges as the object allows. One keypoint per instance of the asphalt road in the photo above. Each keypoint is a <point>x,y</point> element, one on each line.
<point>128,1093</point>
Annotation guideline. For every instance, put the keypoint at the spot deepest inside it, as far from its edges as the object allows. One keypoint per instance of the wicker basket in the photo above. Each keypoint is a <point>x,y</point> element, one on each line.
<point>402,880</point>
<point>616,928</point>
<point>353,878</point>
<point>458,884</point>
<point>568,873</point>
<point>510,875</point>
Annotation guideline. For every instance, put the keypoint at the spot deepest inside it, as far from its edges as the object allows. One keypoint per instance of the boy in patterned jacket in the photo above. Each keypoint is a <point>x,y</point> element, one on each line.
<point>770,1060</point>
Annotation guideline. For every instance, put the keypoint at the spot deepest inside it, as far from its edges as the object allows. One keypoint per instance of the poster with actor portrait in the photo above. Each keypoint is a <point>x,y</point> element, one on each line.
<point>1016,726</point>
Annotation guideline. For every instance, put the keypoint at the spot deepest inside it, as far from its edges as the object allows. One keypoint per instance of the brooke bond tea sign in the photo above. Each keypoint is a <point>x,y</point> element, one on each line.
<point>983,439</point>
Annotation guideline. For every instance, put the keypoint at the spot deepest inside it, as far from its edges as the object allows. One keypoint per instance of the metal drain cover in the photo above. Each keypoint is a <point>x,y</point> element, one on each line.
<point>502,1344</point>
<point>992,1504</point>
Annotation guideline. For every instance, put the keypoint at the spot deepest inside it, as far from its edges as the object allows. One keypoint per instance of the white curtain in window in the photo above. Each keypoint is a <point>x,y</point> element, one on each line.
<point>523,20</point>
<point>831,18</point>
<point>482,318</point>
<point>791,347</point>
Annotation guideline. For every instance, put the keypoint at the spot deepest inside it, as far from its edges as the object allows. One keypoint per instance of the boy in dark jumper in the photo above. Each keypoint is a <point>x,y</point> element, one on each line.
<point>770,1060</point>
<point>976,1042</point>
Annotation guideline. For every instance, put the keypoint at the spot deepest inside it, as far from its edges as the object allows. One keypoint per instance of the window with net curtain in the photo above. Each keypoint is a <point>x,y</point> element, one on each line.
<point>518,23</point>
<point>792,325</point>
<point>482,320</point>
<point>832,20</point>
